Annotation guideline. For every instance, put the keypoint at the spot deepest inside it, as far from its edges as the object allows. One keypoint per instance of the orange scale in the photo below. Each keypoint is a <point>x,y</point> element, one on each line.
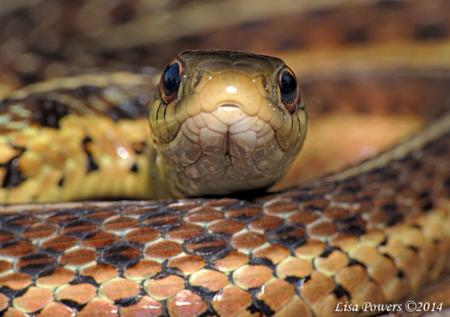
<point>100,215</point>
<point>39,231</point>
<point>99,308</point>
<point>281,207</point>
<point>34,299</point>
<point>24,222</point>
<point>315,204</point>
<point>80,227</point>
<point>139,209</point>
<point>78,293</point>
<point>222,202</point>
<point>187,263</point>
<point>323,228</point>
<point>142,270</point>
<point>119,223</point>
<point>209,279</point>
<point>163,249</point>
<point>303,217</point>
<point>336,213</point>
<point>12,312</point>
<point>274,252</point>
<point>295,267</point>
<point>100,239</point>
<point>296,307</point>
<point>329,303</point>
<point>231,261</point>
<point>371,292</point>
<point>145,307</point>
<point>247,240</point>
<point>310,249</point>
<point>345,242</point>
<point>352,278</point>
<point>78,257</point>
<point>317,287</point>
<point>58,277</point>
<point>376,237</point>
<point>37,259</point>
<point>100,272</point>
<point>333,263</point>
<point>366,254</point>
<point>226,226</point>
<point>162,220</point>
<point>244,212</point>
<point>120,288</point>
<point>59,243</point>
<point>186,303</point>
<point>17,249</point>
<point>61,218</point>
<point>203,214</point>
<point>378,217</point>
<point>142,235</point>
<point>250,276</point>
<point>266,222</point>
<point>185,232</point>
<point>384,270</point>
<point>276,294</point>
<point>163,288</point>
<point>232,301</point>
<point>56,309</point>
<point>16,281</point>
<point>183,205</point>
<point>5,266</point>
<point>215,244</point>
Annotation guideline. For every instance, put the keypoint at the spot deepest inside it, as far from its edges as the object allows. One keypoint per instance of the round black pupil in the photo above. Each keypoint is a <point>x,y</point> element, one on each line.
<point>171,79</point>
<point>288,87</point>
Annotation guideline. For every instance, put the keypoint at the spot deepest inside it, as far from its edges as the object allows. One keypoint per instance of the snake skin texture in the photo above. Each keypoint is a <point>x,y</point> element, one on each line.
<point>102,124</point>
<point>296,253</point>
<point>377,231</point>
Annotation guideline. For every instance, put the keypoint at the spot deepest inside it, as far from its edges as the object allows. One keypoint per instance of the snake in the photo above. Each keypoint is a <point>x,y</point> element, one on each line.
<point>136,193</point>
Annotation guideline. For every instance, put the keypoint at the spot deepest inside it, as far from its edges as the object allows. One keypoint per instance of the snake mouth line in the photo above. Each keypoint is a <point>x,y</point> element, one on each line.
<point>229,131</point>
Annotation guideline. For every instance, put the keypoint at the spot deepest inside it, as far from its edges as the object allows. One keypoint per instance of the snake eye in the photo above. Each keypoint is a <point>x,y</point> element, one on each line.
<point>288,89</point>
<point>170,81</point>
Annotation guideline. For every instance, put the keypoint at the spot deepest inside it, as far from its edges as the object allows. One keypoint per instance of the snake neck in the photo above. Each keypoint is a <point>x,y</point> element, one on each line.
<point>162,179</point>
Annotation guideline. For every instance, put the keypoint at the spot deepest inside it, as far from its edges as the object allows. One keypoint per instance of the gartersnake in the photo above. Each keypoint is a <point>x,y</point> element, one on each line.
<point>376,232</point>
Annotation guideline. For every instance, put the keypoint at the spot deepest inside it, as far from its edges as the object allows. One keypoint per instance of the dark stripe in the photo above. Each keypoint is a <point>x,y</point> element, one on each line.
<point>91,164</point>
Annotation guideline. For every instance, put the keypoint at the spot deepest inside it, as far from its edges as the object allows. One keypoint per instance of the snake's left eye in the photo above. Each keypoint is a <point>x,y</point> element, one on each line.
<point>289,89</point>
<point>170,81</point>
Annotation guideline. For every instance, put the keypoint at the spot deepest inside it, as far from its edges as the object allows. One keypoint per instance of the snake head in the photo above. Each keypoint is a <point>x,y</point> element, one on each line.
<point>225,121</point>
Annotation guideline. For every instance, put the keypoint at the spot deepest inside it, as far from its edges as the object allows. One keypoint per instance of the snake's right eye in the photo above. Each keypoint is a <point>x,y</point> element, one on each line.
<point>170,81</point>
<point>289,89</point>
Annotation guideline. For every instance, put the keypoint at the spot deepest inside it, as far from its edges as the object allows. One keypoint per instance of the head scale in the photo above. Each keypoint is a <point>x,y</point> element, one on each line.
<point>226,121</point>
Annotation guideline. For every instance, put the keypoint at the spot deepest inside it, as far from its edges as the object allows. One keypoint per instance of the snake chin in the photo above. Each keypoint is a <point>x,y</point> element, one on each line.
<point>225,151</point>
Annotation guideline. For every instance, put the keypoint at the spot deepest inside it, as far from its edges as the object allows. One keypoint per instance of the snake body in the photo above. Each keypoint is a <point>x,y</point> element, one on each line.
<point>376,232</point>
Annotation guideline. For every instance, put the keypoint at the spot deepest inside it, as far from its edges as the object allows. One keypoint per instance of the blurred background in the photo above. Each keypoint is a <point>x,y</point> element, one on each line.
<point>357,61</point>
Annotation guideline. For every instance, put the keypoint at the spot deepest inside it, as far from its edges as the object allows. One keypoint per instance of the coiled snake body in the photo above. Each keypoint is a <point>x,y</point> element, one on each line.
<point>221,122</point>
